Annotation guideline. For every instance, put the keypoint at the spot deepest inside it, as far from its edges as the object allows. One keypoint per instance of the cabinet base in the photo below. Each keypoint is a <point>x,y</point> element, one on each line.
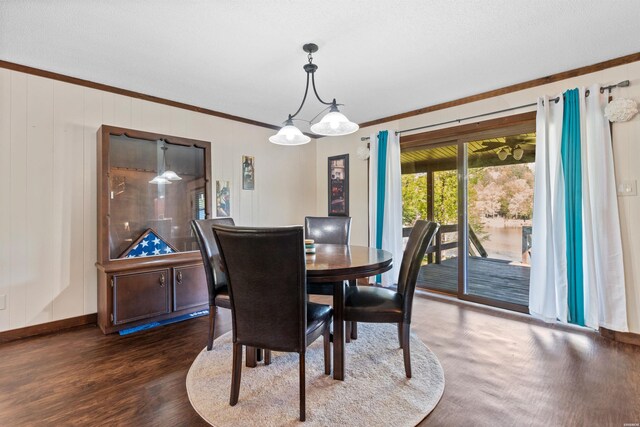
<point>109,329</point>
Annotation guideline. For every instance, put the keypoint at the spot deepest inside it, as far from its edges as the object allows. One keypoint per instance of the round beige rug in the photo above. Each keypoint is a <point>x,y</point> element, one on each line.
<point>375,391</point>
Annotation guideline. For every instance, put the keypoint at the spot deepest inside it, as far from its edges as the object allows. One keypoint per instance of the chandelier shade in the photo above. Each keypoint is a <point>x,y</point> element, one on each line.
<point>159,180</point>
<point>289,135</point>
<point>167,175</point>
<point>332,124</point>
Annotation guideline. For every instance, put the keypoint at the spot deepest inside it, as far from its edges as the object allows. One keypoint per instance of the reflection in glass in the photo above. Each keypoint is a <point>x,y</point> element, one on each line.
<point>166,206</point>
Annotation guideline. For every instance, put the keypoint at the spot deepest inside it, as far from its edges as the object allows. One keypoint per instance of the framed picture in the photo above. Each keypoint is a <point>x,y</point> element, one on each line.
<point>248,173</point>
<point>223,199</point>
<point>339,185</point>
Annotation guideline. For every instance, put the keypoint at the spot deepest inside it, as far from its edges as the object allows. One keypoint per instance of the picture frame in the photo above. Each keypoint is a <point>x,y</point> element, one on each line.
<point>248,173</point>
<point>338,189</point>
<point>223,198</point>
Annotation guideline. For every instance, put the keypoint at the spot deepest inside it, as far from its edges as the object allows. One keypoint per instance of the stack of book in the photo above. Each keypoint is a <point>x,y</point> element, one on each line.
<point>309,246</point>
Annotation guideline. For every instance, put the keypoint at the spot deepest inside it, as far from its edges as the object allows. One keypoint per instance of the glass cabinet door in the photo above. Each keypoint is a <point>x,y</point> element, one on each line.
<point>157,186</point>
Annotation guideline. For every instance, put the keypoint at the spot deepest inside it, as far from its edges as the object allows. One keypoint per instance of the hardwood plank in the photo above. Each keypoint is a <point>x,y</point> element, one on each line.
<point>47,328</point>
<point>500,369</point>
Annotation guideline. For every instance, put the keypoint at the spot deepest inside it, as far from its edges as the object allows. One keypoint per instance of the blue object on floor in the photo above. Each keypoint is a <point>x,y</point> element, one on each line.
<point>163,322</point>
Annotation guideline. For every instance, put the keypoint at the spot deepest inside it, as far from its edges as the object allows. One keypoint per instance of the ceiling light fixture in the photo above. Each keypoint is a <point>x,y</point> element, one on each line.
<point>518,152</point>
<point>167,175</point>
<point>503,153</point>
<point>333,124</point>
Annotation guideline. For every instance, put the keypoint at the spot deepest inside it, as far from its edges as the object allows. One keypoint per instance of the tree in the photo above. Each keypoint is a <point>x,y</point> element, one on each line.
<point>414,198</point>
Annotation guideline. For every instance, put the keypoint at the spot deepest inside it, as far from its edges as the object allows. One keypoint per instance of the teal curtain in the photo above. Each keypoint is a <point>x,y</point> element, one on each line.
<point>380,189</point>
<point>572,171</point>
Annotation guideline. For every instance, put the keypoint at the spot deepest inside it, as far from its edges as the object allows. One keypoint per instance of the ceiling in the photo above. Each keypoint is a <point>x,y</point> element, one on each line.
<point>379,58</point>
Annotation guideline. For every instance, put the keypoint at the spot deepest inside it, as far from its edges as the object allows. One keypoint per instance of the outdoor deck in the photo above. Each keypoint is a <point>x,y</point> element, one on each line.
<point>491,278</point>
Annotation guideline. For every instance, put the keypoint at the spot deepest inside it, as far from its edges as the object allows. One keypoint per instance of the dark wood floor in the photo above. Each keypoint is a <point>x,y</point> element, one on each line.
<point>501,369</point>
<point>487,277</point>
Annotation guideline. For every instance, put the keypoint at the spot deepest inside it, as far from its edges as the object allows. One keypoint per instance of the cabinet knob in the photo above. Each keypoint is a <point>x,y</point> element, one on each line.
<point>162,280</point>
<point>179,277</point>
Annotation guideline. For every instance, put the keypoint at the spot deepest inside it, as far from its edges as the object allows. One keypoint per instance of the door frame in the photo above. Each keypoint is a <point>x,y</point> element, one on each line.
<point>461,135</point>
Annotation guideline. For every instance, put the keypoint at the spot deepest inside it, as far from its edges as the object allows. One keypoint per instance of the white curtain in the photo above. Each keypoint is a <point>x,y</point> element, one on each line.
<point>603,270</point>
<point>605,301</point>
<point>385,219</point>
<point>548,282</point>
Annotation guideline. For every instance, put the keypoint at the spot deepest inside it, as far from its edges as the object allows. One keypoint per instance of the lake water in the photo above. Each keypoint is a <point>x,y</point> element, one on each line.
<point>504,243</point>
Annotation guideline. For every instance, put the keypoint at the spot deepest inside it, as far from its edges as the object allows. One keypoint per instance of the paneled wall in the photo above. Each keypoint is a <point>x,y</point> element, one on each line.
<point>48,192</point>
<point>626,145</point>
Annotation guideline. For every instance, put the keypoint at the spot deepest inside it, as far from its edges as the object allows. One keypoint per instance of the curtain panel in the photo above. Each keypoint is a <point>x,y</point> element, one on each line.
<point>385,201</point>
<point>577,272</point>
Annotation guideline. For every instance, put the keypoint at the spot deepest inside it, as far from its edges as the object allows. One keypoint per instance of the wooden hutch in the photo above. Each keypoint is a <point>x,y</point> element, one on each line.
<point>138,284</point>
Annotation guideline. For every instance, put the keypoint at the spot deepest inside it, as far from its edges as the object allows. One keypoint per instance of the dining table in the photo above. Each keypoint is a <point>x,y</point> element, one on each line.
<point>335,264</point>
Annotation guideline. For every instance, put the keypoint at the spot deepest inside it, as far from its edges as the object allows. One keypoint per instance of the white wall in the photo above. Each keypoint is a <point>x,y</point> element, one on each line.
<point>626,145</point>
<point>48,192</point>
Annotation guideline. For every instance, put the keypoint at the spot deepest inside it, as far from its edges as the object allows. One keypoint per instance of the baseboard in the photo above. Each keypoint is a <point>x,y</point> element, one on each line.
<point>625,337</point>
<point>48,328</point>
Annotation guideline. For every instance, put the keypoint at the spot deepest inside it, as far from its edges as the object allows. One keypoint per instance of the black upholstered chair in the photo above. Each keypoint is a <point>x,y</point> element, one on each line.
<point>266,272</point>
<point>328,229</point>
<point>216,279</point>
<point>381,305</point>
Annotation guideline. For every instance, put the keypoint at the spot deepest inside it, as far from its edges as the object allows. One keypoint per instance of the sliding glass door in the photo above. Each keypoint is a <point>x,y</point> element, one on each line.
<point>430,191</point>
<point>479,187</point>
<point>496,203</point>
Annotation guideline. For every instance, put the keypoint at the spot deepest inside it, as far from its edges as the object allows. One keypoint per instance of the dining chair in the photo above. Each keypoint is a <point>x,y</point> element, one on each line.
<point>330,230</point>
<point>381,305</point>
<point>266,273</point>
<point>216,279</point>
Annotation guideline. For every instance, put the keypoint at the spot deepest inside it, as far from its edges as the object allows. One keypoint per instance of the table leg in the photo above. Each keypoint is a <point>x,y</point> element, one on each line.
<point>338,331</point>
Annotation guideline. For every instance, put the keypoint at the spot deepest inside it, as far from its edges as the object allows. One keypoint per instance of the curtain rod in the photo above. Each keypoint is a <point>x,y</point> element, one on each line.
<point>624,83</point>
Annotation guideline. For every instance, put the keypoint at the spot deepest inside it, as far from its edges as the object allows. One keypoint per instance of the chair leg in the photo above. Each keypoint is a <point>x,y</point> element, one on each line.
<point>303,397</point>
<point>267,357</point>
<point>406,350</point>
<point>400,333</point>
<point>347,331</point>
<point>354,325</point>
<point>212,325</point>
<point>252,357</point>
<point>236,373</point>
<point>327,350</point>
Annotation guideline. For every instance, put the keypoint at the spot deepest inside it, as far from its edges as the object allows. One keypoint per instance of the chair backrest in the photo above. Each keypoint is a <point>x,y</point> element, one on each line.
<point>328,229</point>
<point>266,270</point>
<point>419,240</point>
<point>210,253</point>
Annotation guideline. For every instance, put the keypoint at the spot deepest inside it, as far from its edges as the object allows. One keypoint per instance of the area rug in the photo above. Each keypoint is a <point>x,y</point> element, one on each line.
<point>375,391</point>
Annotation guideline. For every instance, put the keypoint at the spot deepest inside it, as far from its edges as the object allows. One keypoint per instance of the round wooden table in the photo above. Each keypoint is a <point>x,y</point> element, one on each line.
<point>336,263</point>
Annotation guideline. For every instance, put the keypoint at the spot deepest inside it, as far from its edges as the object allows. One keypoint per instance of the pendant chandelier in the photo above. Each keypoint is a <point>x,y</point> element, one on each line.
<point>332,124</point>
<point>165,176</point>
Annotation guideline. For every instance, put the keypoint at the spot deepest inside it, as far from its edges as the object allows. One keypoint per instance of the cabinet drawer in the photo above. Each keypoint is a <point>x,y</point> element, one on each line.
<point>141,295</point>
<point>189,287</point>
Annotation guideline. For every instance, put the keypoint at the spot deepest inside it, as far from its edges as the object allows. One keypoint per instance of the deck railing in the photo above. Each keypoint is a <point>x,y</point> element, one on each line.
<point>440,244</point>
